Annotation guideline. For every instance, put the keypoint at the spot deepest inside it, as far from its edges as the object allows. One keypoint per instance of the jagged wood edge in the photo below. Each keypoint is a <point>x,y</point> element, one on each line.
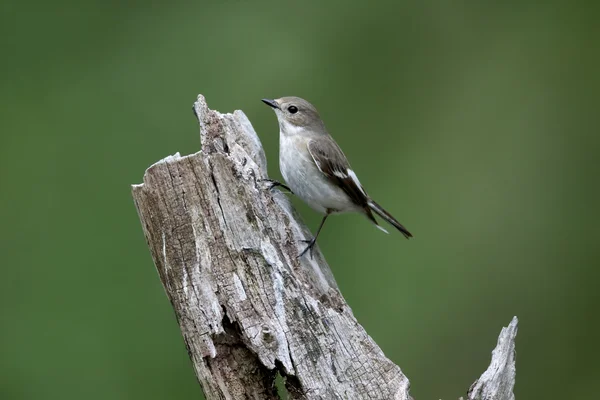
<point>498,381</point>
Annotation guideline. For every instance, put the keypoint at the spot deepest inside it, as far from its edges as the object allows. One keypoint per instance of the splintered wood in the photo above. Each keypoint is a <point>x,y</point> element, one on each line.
<point>226,247</point>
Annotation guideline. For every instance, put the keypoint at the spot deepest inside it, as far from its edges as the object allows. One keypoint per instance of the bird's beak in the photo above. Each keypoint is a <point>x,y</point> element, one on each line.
<point>271,103</point>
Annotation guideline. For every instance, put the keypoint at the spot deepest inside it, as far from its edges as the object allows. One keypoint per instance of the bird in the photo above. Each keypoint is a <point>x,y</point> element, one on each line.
<point>316,170</point>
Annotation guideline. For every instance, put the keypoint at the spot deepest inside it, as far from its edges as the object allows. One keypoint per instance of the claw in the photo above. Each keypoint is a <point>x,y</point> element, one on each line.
<point>274,183</point>
<point>311,246</point>
<point>311,243</point>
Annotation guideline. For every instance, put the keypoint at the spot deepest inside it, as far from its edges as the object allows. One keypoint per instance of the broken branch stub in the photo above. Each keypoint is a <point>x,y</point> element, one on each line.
<point>498,381</point>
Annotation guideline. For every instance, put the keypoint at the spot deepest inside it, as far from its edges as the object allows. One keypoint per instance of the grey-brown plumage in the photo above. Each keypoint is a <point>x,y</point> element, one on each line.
<point>316,169</point>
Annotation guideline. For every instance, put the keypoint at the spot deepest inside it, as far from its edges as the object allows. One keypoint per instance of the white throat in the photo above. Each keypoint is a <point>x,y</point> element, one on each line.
<point>287,129</point>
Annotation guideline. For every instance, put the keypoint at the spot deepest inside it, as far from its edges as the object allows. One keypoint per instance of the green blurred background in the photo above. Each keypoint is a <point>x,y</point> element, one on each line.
<point>475,123</point>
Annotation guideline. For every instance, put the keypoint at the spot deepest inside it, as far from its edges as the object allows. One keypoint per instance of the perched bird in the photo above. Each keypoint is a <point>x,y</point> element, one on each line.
<point>315,168</point>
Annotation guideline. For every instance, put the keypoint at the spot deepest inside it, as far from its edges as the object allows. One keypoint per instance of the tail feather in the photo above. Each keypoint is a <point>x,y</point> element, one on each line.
<point>388,217</point>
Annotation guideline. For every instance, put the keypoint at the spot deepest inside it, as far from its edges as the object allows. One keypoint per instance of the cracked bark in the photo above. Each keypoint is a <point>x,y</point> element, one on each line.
<point>226,248</point>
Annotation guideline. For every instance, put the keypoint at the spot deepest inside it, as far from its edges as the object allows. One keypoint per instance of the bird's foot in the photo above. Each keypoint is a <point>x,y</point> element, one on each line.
<point>273,183</point>
<point>311,247</point>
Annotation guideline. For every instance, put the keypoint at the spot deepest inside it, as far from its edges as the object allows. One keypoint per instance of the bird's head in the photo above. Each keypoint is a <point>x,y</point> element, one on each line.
<point>296,116</point>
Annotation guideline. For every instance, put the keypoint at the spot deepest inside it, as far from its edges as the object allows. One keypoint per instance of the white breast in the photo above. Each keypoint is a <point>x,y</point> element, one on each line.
<point>306,181</point>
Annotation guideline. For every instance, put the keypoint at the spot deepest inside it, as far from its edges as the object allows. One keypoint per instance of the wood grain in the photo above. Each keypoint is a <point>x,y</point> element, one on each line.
<point>225,247</point>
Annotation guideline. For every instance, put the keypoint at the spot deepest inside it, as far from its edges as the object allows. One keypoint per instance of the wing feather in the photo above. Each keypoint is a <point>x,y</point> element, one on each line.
<point>332,162</point>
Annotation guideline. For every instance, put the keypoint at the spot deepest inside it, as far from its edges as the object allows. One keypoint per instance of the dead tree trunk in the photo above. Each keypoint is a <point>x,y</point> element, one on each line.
<point>225,247</point>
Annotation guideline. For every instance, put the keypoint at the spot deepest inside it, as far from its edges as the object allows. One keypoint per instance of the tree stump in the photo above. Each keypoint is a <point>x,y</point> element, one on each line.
<point>226,249</point>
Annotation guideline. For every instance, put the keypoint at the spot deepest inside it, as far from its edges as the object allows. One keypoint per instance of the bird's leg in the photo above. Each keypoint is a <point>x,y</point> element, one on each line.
<point>311,243</point>
<point>273,183</point>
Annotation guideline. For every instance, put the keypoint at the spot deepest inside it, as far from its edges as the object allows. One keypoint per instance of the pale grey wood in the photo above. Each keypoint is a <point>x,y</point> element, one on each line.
<point>498,381</point>
<point>225,247</point>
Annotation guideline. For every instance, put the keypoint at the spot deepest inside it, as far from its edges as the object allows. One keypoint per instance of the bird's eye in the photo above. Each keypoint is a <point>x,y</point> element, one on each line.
<point>293,109</point>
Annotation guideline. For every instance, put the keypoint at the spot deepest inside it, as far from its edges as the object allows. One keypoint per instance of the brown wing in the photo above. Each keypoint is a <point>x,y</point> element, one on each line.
<point>332,162</point>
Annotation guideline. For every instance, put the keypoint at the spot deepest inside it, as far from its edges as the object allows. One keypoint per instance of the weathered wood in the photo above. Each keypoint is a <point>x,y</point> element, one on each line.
<point>225,247</point>
<point>498,381</point>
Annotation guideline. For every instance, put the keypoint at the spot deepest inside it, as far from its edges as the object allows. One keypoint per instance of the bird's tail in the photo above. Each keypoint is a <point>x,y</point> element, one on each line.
<point>388,217</point>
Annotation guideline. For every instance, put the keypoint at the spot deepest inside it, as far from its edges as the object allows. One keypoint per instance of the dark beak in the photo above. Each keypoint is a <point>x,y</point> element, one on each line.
<point>271,103</point>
